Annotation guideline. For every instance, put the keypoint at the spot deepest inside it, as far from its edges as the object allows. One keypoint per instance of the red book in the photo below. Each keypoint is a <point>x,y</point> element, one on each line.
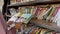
<point>36,12</point>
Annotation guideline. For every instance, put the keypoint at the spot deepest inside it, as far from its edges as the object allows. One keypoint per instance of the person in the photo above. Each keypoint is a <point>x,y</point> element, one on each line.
<point>2,25</point>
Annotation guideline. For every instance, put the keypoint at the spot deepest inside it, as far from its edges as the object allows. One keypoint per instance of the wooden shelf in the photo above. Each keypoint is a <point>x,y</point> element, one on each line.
<point>45,24</point>
<point>33,3</point>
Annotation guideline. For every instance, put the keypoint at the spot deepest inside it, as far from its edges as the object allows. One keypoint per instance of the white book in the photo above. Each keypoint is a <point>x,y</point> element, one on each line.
<point>13,18</point>
<point>13,11</point>
<point>57,18</point>
<point>45,14</point>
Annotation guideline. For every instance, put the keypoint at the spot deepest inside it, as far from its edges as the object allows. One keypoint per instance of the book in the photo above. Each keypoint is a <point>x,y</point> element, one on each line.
<point>54,20</point>
<point>45,31</point>
<point>13,11</point>
<point>27,17</point>
<point>38,31</point>
<point>46,13</point>
<point>27,10</point>
<point>33,31</point>
<point>32,10</point>
<point>12,1</point>
<point>36,11</point>
<point>58,18</point>
<point>53,15</point>
<point>40,13</point>
<point>49,17</point>
<point>22,10</point>
<point>50,11</point>
<point>43,13</point>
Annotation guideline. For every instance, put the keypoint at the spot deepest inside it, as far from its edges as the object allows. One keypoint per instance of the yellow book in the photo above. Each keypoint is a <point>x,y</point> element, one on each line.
<point>18,14</point>
<point>32,10</point>
<point>51,33</point>
<point>43,31</point>
<point>22,10</point>
<point>12,1</point>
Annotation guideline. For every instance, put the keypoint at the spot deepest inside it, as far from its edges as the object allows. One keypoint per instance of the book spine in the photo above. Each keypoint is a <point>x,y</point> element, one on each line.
<point>46,13</point>
<point>55,15</point>
<point>49,17</point>
<point>36,12</point>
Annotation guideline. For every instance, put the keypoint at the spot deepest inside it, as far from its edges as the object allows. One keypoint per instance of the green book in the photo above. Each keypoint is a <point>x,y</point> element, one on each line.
<point>46,14</point>
<point>49,12</point>
<point>49,15</point>
<point>27,17</point>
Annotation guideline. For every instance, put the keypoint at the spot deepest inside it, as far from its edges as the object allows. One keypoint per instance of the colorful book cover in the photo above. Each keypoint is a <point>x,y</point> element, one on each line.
<point>45,9</point>
<point>22,10</point>
<point>42,14</point>
<point>50,11</point>
<point>45,31</point>
<point>34,30</point>
<point>39,14</point>
<point>54,14</point>
<point>46,13</point>
<point>32,10</point>
<point>41,11</point>
<point>58,18</point>
<point>48,18</point>
<point>37,10</point>
<point>27,17</point>
<point>38,31</point>
<point>18,14</point>
<point>27,10</point>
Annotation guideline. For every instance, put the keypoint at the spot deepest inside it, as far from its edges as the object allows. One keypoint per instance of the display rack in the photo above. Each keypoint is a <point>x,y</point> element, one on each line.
<point>44,24</point>
<point>34,3</point>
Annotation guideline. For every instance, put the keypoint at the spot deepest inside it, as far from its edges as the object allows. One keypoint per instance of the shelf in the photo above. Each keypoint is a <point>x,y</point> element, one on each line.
<point>45,24</point>
<point>33,3</point>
